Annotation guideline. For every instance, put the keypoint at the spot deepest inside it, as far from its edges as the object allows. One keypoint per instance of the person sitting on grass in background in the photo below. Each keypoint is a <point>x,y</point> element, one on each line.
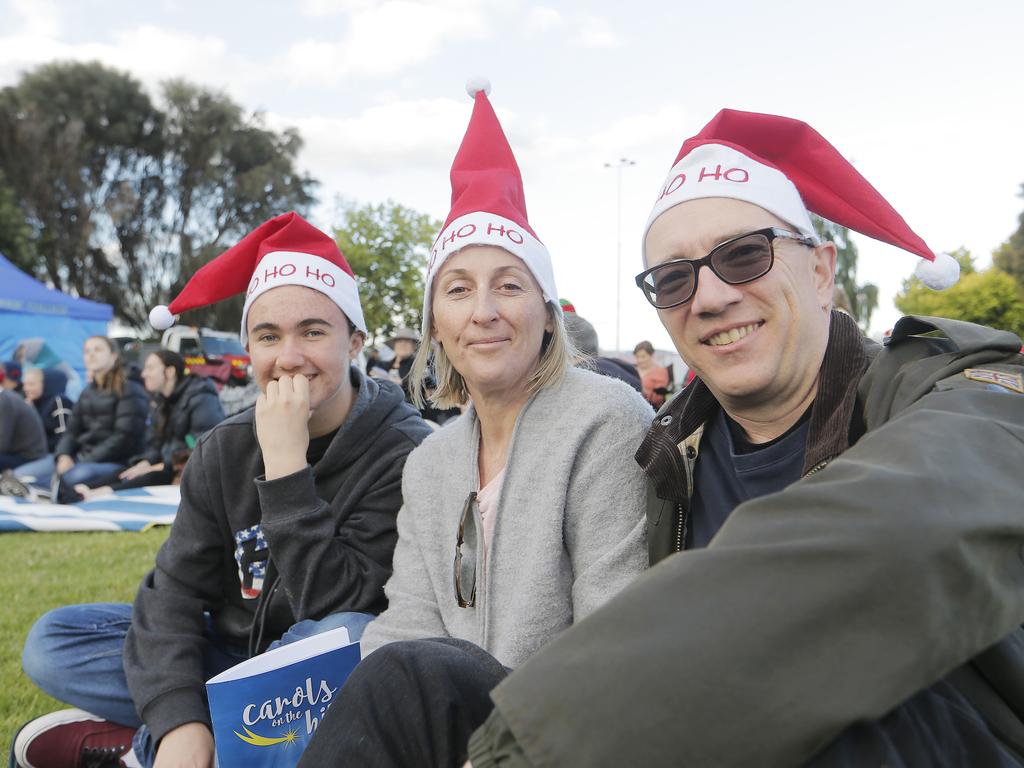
<point>404,343</point>
<point>286,526</point>
<point>44,389</point>
<point>107,428</point>
<point>184,407</point>
<point>532,493</point>
<point>10,376</point>
<point>21,431</point>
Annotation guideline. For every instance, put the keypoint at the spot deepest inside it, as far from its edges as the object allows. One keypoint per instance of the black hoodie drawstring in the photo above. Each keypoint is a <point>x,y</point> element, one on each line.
<point>259,619</point>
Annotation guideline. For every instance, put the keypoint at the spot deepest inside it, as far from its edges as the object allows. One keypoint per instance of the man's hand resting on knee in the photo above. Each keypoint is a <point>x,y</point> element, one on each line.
<point>187,746</point>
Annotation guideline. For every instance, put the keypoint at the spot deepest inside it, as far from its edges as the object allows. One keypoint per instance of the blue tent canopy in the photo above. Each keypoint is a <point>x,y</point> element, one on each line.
<point>26,295</point>
<point>48,326</point>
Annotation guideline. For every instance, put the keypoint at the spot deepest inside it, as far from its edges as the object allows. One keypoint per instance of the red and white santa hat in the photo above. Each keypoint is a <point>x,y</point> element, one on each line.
<point>788,168</point>
<point>286,250</point>
<point>488,203</point>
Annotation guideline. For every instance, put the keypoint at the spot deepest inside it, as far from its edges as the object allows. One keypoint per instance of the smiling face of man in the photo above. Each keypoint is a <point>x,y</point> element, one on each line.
<point>759,342</point>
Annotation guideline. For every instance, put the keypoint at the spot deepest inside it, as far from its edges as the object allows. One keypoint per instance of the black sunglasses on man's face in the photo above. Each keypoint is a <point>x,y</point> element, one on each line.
<point>741,259</point>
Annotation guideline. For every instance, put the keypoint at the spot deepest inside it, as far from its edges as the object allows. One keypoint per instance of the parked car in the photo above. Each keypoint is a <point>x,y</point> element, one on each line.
<point>218,355</point>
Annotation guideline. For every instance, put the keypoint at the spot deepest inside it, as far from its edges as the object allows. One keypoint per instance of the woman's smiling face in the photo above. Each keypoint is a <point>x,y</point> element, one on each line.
<point>490,317</point>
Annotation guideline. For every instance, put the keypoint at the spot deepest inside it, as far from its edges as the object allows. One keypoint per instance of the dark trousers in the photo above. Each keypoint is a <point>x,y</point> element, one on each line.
<point>416,703</point>
<point>934,728</point>
<point>413,703</point>
<point>157,477</point>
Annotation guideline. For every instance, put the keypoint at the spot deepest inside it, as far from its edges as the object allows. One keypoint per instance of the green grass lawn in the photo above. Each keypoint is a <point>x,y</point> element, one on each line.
<point>44,570</point>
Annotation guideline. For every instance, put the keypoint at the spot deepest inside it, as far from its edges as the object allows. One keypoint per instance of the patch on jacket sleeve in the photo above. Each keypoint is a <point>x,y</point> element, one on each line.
<point>251,554</point>
<point>1011,381</point>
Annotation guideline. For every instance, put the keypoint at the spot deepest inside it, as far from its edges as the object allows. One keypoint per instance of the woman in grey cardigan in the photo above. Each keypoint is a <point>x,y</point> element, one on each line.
<point>551,445</point>
<point>527,512</point>
<point>521,516</point>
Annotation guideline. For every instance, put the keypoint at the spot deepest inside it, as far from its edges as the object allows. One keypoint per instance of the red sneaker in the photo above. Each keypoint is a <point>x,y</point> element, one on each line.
<point>71,739</point>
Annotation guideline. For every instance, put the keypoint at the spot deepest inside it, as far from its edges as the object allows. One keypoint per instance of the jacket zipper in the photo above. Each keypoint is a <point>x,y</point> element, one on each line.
<point>689,452</point>
<point>681,527</point>
<point>817,467</point>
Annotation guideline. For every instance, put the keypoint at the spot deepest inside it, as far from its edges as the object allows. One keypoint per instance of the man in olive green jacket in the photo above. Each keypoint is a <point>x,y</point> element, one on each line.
<point>862,608</point>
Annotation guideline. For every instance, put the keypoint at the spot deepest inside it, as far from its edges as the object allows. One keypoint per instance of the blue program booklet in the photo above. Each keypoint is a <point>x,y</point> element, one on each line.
<point>266,709</point>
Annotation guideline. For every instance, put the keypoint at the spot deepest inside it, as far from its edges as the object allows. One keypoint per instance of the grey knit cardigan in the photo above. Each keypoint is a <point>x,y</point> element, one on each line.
<point>570,530</point>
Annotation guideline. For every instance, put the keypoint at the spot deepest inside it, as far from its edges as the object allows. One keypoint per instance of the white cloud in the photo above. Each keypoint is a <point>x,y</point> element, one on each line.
<point>395,138</point>
<point>149,53</point>
<point>155,54</point>
<point>642,131</point>
<point>30,42</point>
<point>596,32</point>
<point>542,18</point>
<point>39,18</point>
<point>334,7</point>
<point>386,38</point>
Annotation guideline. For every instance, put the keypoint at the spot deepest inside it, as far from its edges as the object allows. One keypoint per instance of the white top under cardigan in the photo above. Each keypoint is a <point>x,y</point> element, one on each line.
<point>569,535</point>
<point>487,500</point>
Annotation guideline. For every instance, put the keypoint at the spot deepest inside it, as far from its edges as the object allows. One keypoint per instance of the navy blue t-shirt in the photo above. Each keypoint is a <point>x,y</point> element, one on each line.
<point>728,473</point>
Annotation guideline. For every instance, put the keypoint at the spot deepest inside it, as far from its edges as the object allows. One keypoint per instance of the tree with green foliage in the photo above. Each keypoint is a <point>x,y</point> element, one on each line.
<point>990,297</point>
<point>1009,256</point>
<point>15,233</point>
<point>225,173</point>
<point>74,139</point>
<point>387,246</point>
<point>126,199</point>
<point>863,299</point>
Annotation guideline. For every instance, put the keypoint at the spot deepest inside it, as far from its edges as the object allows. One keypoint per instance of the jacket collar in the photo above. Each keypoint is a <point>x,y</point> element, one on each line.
<point>831,430</point>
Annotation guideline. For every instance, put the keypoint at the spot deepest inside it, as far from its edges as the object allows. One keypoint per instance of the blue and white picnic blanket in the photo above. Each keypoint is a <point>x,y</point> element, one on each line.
<point>132,510</point>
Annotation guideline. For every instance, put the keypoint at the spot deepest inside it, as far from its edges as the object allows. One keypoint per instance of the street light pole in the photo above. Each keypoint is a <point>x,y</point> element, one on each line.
<point>618,166</point>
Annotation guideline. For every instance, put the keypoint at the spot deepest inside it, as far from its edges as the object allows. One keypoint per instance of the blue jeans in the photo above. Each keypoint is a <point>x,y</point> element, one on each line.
<point>41,470</point>
<point>75,654</point>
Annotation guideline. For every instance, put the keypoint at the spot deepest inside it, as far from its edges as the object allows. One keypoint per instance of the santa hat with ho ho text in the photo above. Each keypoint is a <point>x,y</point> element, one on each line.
<point>788,168</point>
<point>488,203</point>
<point>286,250</point>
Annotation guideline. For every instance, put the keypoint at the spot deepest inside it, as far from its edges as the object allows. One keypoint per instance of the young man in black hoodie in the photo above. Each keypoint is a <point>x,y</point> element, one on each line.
<point>286,525</point>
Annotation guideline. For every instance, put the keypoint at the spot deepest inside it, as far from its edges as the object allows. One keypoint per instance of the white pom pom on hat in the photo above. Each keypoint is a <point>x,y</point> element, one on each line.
<point>476,84</point>
<point>488,203</point>
<point>940,274</point>
<point>160,317</point>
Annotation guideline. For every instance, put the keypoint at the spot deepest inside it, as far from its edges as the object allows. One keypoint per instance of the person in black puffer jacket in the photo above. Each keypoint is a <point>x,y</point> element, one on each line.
<point>44,389</point>
<point>183,407</point>
<point>107,427</point>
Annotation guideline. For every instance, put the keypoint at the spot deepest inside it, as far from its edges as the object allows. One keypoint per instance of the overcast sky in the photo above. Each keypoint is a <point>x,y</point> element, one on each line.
<point>926,98</point>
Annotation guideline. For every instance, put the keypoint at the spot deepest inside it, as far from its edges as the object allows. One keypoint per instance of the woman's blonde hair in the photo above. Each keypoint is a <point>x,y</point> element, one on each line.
<point>556,355</point>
